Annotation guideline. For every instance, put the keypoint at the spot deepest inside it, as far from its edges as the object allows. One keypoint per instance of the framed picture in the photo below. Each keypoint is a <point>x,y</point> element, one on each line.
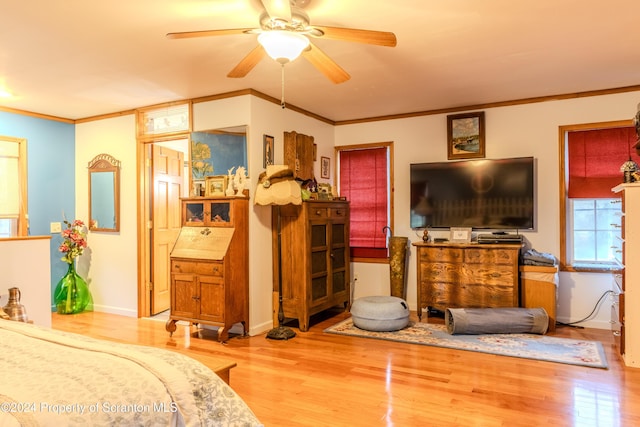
<point>215,185</point>
<point>267,157</point>
<point>460,235</point>
<point>199,188</point>
<point>465,136</point>
<point>325,167</point>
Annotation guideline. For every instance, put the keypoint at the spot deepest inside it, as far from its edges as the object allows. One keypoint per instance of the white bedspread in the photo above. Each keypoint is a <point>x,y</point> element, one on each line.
<point>53,378</point>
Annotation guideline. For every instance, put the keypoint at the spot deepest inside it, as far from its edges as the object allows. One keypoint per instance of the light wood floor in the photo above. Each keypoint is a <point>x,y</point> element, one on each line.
<point>318,379</point>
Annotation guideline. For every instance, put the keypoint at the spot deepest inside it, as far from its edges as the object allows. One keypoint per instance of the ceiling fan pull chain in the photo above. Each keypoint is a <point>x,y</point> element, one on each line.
<point>282,99</point>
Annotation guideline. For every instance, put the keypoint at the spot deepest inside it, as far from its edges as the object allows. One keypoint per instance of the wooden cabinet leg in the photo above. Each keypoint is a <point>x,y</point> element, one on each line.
<point>244,328</point>
<point>170,326</point>
<point>223,334</point>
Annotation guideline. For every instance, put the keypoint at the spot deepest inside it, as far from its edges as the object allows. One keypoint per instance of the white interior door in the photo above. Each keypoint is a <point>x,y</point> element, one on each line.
<point>168,173</point>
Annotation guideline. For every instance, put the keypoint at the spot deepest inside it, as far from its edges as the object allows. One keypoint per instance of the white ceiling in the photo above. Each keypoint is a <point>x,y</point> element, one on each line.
<point>80,58</point>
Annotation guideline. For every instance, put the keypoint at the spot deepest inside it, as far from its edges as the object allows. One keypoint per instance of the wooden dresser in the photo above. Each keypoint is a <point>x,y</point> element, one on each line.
<point>626,299</point>
<point>466,275</point>
<point>315,258</point>
<point>209,265</point>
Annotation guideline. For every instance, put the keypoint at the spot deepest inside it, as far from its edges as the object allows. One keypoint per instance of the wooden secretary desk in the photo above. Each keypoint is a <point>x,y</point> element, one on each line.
<point>209,265</point>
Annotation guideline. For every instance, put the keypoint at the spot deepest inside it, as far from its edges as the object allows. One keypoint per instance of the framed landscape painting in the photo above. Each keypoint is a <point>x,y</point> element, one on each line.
<point>465,136</point>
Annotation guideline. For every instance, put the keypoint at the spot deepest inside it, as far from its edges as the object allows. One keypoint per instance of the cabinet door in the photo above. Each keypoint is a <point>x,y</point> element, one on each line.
<point>185,295</point>
<point>206,213</point>
<point>218,213</point>
<point>319,263</point>
<point>339,261</point>
<point>193,213</point>
<point>212,301</point>
<point>298,154</point>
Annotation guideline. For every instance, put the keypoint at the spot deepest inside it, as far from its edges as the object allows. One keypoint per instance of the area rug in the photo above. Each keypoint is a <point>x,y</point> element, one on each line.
<point>527,346</point>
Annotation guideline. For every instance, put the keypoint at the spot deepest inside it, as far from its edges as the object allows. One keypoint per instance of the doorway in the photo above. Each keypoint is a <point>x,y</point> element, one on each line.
<point>165,182</point>
<point>155,240</point>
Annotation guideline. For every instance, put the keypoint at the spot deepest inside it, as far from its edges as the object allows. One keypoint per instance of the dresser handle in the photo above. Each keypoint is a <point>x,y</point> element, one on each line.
<point>195,298</point>
<point>317,213</point>
<point>495,274</point>
<point>338,212</point>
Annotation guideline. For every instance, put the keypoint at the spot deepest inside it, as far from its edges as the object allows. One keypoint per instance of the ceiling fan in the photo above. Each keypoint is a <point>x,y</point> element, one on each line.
<point>285,23</point>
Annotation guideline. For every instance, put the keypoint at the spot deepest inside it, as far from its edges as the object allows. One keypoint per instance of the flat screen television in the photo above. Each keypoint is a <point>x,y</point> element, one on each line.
<point>486,194</point>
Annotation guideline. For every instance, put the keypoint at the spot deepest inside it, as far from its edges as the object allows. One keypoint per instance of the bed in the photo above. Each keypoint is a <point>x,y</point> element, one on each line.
<point>50,377</point>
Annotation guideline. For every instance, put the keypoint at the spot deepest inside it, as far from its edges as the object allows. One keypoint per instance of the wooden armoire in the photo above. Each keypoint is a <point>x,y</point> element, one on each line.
<point>315,258</point>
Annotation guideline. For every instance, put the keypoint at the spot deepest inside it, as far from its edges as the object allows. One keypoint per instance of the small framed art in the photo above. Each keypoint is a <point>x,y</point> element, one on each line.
<point>325,167</point>
<point>465,136</point>
<point>215,185</point>
<point>460,235</point>
<point>267,158</point>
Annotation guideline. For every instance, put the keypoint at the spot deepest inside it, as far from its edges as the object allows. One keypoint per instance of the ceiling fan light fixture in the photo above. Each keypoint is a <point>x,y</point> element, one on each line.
<point>283,46</point>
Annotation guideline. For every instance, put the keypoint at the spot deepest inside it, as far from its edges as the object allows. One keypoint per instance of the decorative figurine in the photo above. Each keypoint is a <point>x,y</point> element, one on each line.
<point>230,191</point>
<point>240,180</point>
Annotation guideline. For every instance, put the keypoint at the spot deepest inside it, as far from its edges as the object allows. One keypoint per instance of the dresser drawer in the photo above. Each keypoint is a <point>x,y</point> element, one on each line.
<point>495,256</point>
<point>316,212</point>
<point>337,212</point>
<point>488,274</point>
<point>211,268</point>
<point>440,272</point>
<point>478,295</point>
<point>441,255</point>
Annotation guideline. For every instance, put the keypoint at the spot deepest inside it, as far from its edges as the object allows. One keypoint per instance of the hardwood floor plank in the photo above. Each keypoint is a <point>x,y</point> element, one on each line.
<point>318,379</point>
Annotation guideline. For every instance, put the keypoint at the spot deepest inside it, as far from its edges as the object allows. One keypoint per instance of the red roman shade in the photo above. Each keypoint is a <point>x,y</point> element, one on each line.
<point>595,157</point>
<point>363,181</point>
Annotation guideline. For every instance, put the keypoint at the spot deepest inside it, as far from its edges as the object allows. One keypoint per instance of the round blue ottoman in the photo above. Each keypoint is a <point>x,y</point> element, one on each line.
<point>380,313</point>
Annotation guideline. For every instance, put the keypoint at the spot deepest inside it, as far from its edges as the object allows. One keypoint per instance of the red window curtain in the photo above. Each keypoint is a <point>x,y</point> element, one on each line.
<point>363,181</point>
<point>595,157</point>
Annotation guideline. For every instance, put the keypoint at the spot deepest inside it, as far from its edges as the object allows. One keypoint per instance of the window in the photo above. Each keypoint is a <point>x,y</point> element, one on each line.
<point>590,212</point>
<point>13,195</point>
<point>365,179</point>
<point>593,231</point>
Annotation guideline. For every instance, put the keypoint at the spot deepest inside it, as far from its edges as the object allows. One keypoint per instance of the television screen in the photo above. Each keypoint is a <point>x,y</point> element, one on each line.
<point>481,194</point>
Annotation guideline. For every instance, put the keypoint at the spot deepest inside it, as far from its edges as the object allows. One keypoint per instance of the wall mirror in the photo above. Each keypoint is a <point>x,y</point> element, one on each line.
<point>104,193</point>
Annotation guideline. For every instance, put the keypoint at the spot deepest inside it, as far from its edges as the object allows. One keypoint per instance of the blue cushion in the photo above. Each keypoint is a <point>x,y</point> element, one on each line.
<point>380,313</point>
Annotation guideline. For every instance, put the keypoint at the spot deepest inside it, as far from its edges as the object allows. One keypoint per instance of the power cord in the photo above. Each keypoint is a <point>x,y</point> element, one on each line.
<point>572,324</point>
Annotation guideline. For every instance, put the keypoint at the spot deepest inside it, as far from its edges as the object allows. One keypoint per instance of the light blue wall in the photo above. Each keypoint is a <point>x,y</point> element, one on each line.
<point>51,176</point>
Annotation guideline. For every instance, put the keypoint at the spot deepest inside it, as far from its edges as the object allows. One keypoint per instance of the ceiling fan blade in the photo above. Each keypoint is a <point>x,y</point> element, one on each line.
<point>379,38</point>
<point>209,33</point>
<point>278,9</point>
<point>248,62</point>
<point>325,65</point>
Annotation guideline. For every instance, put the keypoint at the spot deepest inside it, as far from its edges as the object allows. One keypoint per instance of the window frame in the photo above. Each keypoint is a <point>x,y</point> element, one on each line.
<point>390,190</point>
<point>565,209</point>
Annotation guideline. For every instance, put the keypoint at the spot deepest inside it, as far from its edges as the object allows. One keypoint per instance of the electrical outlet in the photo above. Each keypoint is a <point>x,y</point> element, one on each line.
<point>55,227</point>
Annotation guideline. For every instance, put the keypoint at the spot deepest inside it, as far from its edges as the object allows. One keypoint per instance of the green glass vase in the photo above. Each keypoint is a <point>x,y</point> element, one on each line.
<point>72,293</point>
